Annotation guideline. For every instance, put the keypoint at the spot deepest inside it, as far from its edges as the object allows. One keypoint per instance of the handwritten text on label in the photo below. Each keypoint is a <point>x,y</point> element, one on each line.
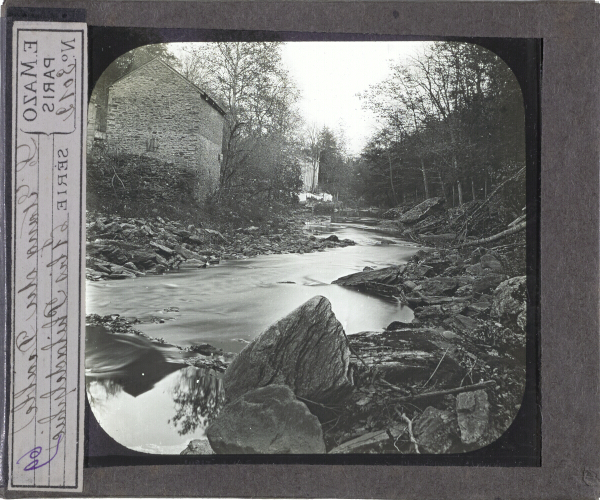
<point>49,109</point>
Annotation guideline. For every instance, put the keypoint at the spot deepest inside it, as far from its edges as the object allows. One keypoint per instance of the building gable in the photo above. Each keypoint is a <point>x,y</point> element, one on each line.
<point>153,111</point>
<point>158,65</point>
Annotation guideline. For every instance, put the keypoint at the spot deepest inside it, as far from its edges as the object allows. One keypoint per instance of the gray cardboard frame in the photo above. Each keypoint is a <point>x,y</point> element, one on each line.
<point>569,338</point>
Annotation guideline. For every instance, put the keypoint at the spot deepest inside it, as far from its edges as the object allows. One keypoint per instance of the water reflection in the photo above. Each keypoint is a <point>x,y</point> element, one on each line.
<point>198,395</point>
<point>99,391</point>
<point>131,362</point>
<point>144,399</point>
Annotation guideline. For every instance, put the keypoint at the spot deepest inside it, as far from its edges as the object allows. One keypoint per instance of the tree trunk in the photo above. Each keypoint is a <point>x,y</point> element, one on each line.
<point>402,194</point>
<point>455,165</point>
<point>498,236</point>
<point>453,203</point>
<point>395,200</point>
<point>485,189</point>
<point>425,179</point>
<point>442,184</point>
<point>473,189</point>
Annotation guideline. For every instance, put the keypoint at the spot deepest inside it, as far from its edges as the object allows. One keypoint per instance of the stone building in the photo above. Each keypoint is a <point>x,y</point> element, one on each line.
<point>155,111</point>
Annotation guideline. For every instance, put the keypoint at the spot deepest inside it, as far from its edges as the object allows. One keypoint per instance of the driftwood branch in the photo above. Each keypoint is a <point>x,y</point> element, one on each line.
<point>333,409</point>
<point>466,388</point>
<point>117,176</point>
<point>409,428</point>
<point>489,239</point>
<point>462,232</point>
<point>385,382</point>
<point>353,351</point>
<point>436,368</point>
<point>498,187</point>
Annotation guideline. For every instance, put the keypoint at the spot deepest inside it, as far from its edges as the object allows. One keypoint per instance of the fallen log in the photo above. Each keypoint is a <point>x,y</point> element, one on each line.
<point>498,236</point>
<point>430,300</point>
<point>455,390</point>
<point>366,442</point>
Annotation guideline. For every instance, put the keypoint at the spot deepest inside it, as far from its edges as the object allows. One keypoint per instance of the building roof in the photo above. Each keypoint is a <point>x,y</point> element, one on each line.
<point>204,95</point>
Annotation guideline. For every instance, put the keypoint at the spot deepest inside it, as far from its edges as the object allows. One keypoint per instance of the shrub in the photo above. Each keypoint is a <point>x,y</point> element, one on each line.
<point>139,186</point>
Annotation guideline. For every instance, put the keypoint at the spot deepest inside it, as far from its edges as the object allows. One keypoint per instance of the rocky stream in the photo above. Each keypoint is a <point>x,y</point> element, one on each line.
<point>369,343</point>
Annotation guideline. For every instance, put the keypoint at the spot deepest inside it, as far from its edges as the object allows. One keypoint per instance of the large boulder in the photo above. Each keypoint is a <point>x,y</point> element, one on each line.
<point>307,351</point>
<point>422,210</point>
<point>509,304</point>
<point>266,420</point>
<point>473,412</point>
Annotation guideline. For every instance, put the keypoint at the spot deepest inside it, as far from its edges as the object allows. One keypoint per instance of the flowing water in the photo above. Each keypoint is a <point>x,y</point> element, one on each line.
<point>148,403</point>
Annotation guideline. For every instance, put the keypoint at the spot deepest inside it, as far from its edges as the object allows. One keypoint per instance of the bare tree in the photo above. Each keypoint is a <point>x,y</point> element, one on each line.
<point>459,111</point>
<point>249,80</point>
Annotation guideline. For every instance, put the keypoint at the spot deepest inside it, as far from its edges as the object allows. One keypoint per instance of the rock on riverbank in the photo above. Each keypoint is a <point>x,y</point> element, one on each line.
<point>266,420</point>
<point>120,248</point>
<point>307,351</point>
<point>456,372</point>
<point>451,381</point>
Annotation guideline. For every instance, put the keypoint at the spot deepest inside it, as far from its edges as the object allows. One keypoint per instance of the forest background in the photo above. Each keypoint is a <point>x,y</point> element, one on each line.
<point>450,124</point>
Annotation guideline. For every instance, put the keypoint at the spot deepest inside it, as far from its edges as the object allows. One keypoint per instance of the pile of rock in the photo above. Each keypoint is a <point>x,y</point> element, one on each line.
<point>431,222</point>
<point>252,241</point>
<point>469,328</point>
<point>120,248</point>
<point>424,376</point>
<point>445,288</point>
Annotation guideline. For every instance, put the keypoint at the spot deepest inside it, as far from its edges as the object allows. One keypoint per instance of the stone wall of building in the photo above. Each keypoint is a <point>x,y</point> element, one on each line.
<point>155,112</point>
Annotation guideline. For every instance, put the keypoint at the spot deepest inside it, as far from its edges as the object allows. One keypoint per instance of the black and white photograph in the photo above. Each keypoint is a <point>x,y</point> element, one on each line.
<point>307,247</point>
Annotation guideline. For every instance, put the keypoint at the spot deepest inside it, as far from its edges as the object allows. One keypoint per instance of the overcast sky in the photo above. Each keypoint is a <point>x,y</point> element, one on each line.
<point>331,74</point>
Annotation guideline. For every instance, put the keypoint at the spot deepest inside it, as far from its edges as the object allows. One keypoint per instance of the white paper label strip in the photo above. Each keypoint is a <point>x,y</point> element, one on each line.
<point>48,175</point>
